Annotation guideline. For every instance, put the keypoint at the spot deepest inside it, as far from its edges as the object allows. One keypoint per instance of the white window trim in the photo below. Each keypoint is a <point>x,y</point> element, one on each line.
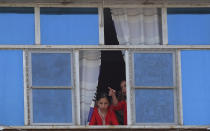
<point>77,86</point>
<point>164,26</point>
<point>128,88</point>
<point>179,87</point>
<point>106,47</point>
<point>25,77</point>
<point>101,25</point>
<point>37,25</point>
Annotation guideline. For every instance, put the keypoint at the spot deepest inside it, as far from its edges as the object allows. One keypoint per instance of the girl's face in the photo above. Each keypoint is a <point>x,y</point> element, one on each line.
<point>123,87</point>
<point>103,104</point>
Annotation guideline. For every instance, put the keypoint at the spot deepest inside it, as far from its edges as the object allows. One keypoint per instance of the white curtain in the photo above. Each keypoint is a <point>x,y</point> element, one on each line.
<point>89,72</point>
<point>137,26</point>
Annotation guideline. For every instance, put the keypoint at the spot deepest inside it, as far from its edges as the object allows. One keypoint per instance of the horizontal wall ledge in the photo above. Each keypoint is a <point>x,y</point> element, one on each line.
<point>107,47</point>
<point>121,128</point>
<point>108,3</point>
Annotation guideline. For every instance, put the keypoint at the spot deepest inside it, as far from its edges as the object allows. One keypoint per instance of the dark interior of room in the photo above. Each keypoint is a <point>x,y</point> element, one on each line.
<point>112,70</point>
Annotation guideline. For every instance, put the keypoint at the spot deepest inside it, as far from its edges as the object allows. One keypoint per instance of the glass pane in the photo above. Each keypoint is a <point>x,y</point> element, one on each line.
<point>69,26</point>
<point>17,25</point>
<point>52,106</point>
<point>189,26</point>
<point>195,87</point>
<point>153,69</point>
<point>51,69</point>
<point>11,88</point>
<point>154,105</point>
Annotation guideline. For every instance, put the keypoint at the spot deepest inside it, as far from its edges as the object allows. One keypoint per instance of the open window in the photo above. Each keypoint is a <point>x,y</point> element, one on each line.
<point>137,26</point>
<point>100,69</point>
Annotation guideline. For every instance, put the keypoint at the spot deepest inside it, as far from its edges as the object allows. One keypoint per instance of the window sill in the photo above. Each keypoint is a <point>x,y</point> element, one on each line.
<point>172,127</point>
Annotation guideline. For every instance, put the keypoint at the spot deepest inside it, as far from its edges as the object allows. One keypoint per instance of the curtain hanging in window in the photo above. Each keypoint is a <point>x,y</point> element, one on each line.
<point>137,26</point>
<point>89,72</point>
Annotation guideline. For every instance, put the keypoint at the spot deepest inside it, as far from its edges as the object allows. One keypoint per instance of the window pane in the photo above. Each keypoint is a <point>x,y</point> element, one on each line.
<point>16,25</point>
<point>52,106</point>
<point>153,69</point>
<point>69,26</point>
<point>195,87</point>
<point>189,26</point>
<point>51,69</point>
<point>154,105</point>
<point>11,88</point>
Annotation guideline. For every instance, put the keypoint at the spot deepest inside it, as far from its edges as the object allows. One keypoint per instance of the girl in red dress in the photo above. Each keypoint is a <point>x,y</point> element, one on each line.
<point>103,114</point>
<point>121,104</point>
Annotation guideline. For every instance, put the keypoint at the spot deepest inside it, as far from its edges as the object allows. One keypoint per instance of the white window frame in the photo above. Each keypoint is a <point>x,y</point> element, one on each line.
<point>73,87</point>
<point>174,87</point>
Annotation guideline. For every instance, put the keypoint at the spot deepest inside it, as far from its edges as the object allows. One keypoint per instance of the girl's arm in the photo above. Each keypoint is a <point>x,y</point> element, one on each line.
<point>112,93</point>
<point>114,119</point>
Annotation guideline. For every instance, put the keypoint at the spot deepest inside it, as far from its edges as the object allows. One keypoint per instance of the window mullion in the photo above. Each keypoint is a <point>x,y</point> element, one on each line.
<point>77,86</point>
<point>179,87</point>
<point>164,26</point>
<point>101,25</point>
<point>26,98</point>
<point>37,26</point>
<point>128,88</point>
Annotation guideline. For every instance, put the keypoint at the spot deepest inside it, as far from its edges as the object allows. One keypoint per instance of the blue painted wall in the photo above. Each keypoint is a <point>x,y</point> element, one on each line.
<point>17,26</point>
<point>11,88</point>
<point>196,87</point>
<point>69,26</point>
<point>188,26</point>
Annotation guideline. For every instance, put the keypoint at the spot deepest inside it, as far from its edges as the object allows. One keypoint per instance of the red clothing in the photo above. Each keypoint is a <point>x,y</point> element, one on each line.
<point>109,120</point>
<point>122,105</point>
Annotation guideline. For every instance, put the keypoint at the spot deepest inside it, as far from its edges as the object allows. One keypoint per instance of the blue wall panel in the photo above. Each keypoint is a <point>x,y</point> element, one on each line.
<point>17,26</point>
<point>196,87</point>
<point>11,88</point>
<point>188,26</point>
<point>69,26</point>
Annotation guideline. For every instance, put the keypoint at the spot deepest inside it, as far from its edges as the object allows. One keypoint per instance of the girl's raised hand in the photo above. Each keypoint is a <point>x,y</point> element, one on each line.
<point>111,91</point>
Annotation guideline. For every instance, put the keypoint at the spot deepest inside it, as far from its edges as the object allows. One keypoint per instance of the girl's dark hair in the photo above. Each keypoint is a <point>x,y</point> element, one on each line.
<point>101,93</point>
